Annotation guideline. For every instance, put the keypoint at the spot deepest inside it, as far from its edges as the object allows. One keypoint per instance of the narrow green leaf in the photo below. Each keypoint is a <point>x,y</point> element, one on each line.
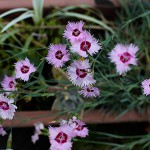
<point>75,7</point>
<point>133,19</point>
<point>5,36</point>
<point>9,141</point>
<point>84,17</point>
<point>27,43</point>
<point>88,18</point>
<point>20,18</point>
<point>13,11</point>
<point>38,10</point>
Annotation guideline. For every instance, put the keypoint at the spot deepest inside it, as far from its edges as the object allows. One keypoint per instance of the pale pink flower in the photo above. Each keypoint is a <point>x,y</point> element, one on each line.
<point>2,131</point>
<point>38,127</point>
<point>146,86</point>
<point>78,127</point>
<point>60,137</point>
<point>57,55</point>
<point>35,138</point>
<point>90,91</point>
<point>8,84</point>
<point>74,31</point>
<point>7,109</point>
<point>79,73</point>
<point>88,45</point>
<point>123,56</point>
<point>23,69</point>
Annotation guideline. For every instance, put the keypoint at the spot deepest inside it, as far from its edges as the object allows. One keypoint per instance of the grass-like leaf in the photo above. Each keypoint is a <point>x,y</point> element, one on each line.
<point>13,11</point>
<point>18,19</point>
<point>83,17</point>
<point>38,10</point>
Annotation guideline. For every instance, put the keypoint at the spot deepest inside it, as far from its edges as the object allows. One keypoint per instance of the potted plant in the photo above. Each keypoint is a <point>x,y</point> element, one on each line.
<point>121,91</point>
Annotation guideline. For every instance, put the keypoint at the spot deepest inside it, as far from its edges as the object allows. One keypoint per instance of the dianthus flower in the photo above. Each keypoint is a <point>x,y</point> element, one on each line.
<point>60,137</point>
<point>38,127</point>
<point>74,31</point>
<point>7,109</point>
<point>23,69</point>
<point>78,127</point>
<point>2,131</point>
<point>57,55</point>
<point>88,45</point>
<point>123,56</point>
<point>146,86</point>
<point>8,84</point>
<point>90,91</point>
<point>79,73</point>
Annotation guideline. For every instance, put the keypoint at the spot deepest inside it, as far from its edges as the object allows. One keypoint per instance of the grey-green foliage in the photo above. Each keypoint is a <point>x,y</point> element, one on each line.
<point>124,93</point>
<point>36,14</point>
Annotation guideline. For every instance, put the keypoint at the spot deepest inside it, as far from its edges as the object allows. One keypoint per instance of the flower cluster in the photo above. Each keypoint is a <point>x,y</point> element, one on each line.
<point>83,44</point>
<point>60,137</point>
<point>23,69</point>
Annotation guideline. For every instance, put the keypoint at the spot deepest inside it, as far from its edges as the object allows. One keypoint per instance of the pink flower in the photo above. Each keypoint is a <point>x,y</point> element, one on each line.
<point>2,131</point>
<point>79,73</point>
<point>38,127</point>
<point>7,109</point>
<point>90,91</point>
<point>35,138</point>
<point>60,137</point>
<point>79,128</point>
<point>23,69</point>
<point>57,55</point>
<point>74,31</point>
<point>146,86</point>
<point>8,84</point>
<point>88,45</point>
<point>123,56</point>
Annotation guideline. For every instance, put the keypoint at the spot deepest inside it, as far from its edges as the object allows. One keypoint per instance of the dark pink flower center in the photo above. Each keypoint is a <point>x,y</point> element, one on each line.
<point>80,127</point>
<point>11,84</point>
<point>85,46</point>
<point>61,137</point>
<point>75,32</point>
<point>59,55</point>
<point>125,57</point>
<point>81,73</point>
<point>90,90</point>
<point>4,105</point>
<point>24,69</point>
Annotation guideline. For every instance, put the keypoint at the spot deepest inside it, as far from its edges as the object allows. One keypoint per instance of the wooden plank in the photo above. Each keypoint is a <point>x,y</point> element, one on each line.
<point>28,118</point>
<point>9,4</point>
